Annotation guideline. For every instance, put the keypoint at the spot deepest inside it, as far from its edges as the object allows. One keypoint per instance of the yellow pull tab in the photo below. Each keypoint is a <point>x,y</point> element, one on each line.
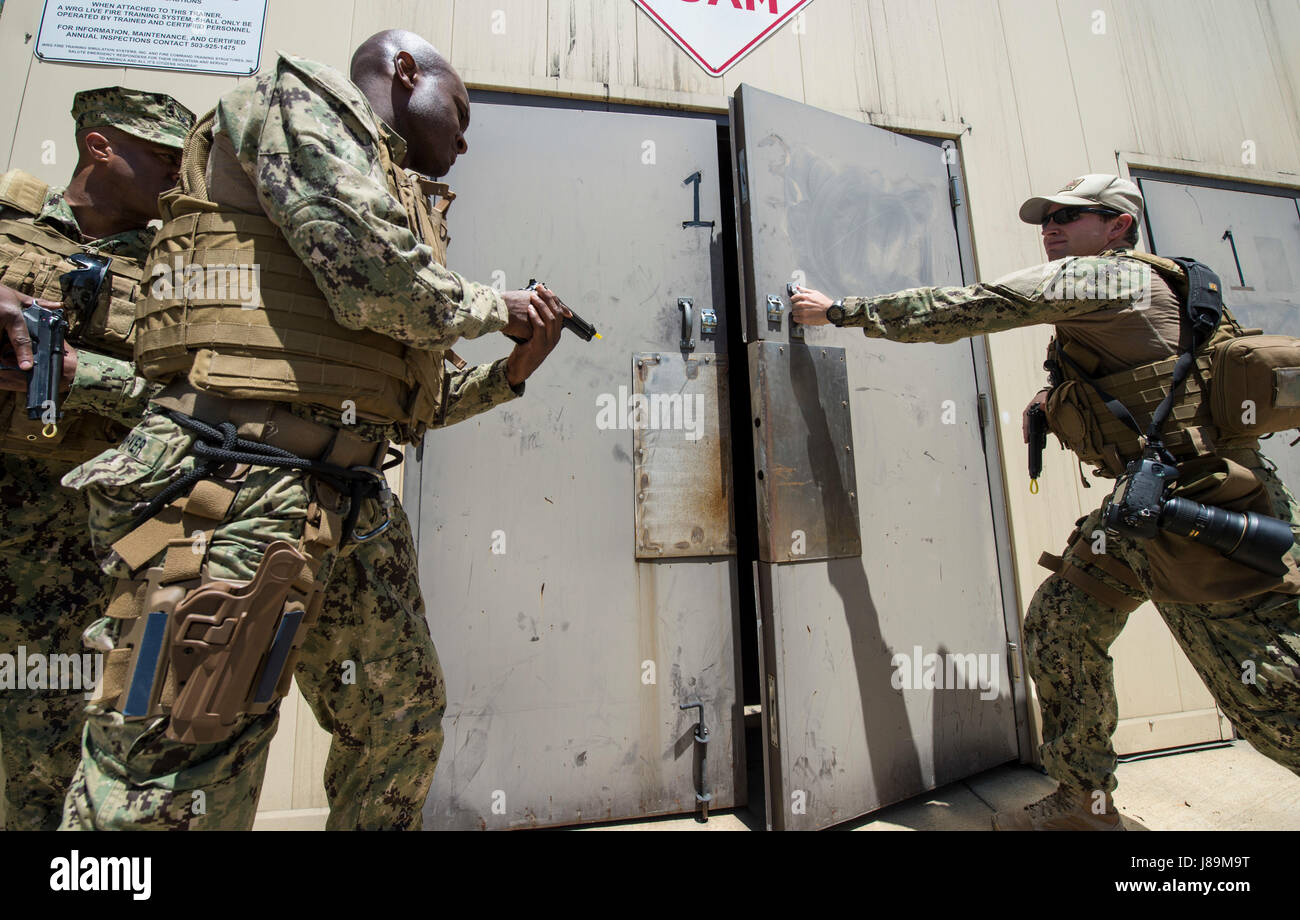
<point>1033,487</point>
<point>50,430</point>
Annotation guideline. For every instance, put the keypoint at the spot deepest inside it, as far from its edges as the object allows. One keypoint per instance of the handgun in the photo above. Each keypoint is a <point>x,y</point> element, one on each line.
<point>1037,442</point>
<point>46,328</point>
<point>574,323</point>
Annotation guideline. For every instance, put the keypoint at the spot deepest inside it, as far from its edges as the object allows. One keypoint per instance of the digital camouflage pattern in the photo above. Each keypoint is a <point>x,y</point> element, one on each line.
<point>368,669</point>
<point>1247,652</point>
<point>1068,632</point>
<point>154,117</point>
<point>48,576</point>
<point>310,142</point>
<point>52,590</point>
<point>1045,294</point>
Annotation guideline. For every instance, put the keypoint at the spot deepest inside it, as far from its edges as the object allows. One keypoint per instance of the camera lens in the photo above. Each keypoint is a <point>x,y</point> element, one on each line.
<point>1254,540</point>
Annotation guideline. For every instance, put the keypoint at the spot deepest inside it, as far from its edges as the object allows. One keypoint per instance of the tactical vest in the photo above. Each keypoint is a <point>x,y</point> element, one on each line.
<point>32,259</point>
<point>1078,415</point>
<point>290,348</point>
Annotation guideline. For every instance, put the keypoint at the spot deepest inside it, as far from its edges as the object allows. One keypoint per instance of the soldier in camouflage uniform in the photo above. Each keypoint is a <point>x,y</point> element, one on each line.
<point>1243,639</point>
<point>317,160</point>
<point>129,151</point>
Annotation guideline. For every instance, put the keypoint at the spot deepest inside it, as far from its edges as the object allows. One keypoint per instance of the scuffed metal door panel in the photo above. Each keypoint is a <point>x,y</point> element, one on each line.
<point>682,470</point>
<point>566,659</point>
<point>803,443</point>
<point>856,210</point>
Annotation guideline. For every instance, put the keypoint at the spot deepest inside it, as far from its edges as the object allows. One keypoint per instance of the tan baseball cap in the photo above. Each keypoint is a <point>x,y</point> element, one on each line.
<point>1091,191</point>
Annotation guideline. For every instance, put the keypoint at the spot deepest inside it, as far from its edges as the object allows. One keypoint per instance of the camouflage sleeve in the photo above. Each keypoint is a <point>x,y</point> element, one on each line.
<point>319,178</point>
<point>478,389</point>
<point>1042,294</point>
<point>109,387</point>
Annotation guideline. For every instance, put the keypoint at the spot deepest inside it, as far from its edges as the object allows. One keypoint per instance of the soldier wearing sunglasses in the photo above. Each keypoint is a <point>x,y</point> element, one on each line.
<point>1116,315</point>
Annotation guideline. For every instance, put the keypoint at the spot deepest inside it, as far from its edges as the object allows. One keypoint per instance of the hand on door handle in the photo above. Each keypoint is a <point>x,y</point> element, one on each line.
<point>809,307</point>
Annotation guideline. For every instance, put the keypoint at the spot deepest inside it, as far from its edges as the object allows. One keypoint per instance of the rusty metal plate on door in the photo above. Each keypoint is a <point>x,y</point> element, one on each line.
<point>680,417</point>
<point>803,450</point>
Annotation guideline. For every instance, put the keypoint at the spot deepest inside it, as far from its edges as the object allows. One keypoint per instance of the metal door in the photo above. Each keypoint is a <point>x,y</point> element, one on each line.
<point>856,713</point>
<point>567,657</point>
<point>1252,241</point>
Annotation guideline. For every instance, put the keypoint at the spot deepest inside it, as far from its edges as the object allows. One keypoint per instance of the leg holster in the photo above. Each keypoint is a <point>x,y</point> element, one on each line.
<point>202,650</point>
<point>212,651</point>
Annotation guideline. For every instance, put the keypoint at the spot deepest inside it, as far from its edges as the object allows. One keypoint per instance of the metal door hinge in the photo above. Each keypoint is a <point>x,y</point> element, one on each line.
<point>985,411</point>
<point>1013,656</point>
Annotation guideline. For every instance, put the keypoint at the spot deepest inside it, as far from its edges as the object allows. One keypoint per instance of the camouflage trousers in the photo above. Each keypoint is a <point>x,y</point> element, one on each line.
<point>368,668</point>
<point>1246,651</point>
<point>51,589</point>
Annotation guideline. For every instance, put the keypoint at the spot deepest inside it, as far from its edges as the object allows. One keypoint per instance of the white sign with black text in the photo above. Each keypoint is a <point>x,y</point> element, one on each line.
<point>208,36</point>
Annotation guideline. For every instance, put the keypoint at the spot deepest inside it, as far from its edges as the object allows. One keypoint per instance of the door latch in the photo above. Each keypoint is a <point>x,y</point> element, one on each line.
<point>708,321</point>
<point>703,797</point>
<point>775,309</point>
<point>796,329</point>
<point>688,323</point>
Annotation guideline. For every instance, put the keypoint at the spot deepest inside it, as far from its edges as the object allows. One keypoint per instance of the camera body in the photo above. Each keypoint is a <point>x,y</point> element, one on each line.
<point>1135,507</point>
<point>1139,508</point>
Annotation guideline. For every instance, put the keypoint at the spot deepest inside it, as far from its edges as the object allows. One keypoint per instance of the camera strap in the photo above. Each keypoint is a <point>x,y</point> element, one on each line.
<point>1200,317</point>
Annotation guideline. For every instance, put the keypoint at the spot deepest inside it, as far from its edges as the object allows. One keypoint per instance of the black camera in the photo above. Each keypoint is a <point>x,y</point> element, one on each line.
<point>1138,508</point>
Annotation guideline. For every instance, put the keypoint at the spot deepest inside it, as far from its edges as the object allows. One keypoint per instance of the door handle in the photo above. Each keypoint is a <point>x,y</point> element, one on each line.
<point>687,306</point>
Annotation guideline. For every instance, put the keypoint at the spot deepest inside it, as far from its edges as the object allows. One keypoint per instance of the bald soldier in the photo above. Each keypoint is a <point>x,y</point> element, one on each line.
<point>248,517</point>
<point>1116,315</point>
<point>128,152</point>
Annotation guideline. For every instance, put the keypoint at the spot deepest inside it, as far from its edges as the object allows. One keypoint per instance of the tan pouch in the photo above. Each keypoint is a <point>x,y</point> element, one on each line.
<point>1187,572</point>
<point>1255,387</point>
<point>1071,420</point>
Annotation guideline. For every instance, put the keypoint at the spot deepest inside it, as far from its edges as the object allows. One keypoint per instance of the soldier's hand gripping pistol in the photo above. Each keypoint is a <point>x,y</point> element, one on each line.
<point>47,328</point>
<point>573,322</point>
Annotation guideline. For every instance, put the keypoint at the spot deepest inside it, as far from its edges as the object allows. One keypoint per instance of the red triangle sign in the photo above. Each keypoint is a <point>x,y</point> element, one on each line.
<point>718,33</point>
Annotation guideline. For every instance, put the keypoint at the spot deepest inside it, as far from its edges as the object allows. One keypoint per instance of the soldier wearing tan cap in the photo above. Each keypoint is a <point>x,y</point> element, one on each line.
<point>1116,315</point>
<point>129,148</point>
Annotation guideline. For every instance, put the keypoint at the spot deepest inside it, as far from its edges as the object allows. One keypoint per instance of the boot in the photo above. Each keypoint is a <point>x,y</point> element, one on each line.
<point>1063,810</point>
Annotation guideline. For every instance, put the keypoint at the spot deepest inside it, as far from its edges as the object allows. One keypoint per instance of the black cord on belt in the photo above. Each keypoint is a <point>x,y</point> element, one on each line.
<point>358,482</point>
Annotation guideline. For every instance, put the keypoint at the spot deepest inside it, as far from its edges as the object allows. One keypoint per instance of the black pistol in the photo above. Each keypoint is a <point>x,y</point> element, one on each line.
<point>1037,441</point>
<point>575,323</point>
<point>46,329</point>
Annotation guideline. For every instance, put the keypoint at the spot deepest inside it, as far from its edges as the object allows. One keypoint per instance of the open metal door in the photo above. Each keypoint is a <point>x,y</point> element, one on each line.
<point>1252,241</point>
<point>578,561</point>
<point>884,642</point>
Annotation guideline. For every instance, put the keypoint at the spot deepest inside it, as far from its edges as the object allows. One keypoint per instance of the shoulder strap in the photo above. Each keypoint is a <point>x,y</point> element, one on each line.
<point>23,191</point>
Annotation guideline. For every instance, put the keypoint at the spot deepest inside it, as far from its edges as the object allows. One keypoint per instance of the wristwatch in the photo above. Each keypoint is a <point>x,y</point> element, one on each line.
<point>835,312</point>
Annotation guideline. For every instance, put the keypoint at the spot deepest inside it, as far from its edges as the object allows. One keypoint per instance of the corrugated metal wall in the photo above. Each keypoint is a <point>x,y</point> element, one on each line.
<point>1036,92</point>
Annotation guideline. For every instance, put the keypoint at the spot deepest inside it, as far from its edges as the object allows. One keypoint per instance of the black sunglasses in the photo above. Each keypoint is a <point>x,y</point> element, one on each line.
<point>1070,215</point>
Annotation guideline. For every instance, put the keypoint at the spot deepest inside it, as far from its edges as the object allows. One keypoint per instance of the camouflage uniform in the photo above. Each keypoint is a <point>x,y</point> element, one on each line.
<point>52,587</point>
<point>1068,632</point>
<point>308,141</point>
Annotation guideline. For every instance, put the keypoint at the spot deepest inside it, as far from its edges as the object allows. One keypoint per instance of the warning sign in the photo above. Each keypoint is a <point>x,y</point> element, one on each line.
<point>210,36</point>
<point>718,33</point>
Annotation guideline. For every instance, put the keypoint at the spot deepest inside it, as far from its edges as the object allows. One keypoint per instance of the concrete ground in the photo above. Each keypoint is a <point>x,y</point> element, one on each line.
<point>1226,788</point>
